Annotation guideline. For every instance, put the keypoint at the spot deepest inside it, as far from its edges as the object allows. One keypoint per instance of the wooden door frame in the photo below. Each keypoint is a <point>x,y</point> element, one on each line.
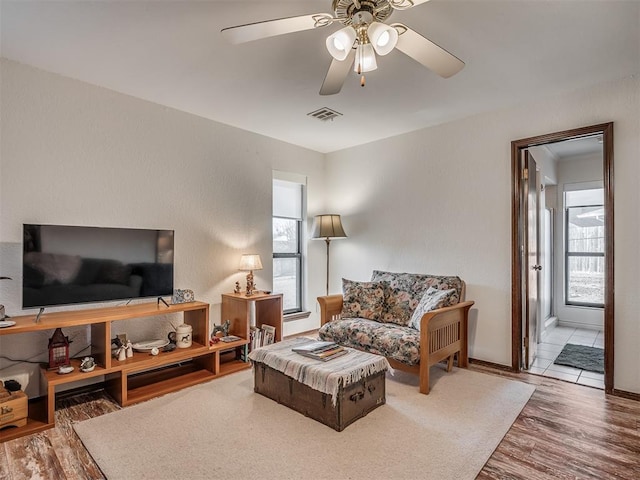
<point>606,129</point>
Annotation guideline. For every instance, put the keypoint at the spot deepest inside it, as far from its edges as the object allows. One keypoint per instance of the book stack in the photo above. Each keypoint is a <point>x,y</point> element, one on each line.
<point>323,351</point>
<point>259,337</point>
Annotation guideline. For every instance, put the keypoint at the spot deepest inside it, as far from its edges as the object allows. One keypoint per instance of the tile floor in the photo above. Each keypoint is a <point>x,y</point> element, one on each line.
<point>551,346</point>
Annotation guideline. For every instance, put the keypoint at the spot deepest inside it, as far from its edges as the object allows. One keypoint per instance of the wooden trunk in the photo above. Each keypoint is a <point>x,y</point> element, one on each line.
<point>353,401</point>
<point>13,410</point>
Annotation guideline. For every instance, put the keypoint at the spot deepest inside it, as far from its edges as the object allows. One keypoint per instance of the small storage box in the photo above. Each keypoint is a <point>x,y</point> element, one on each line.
<point>14,410</point>
<point>354,401</point>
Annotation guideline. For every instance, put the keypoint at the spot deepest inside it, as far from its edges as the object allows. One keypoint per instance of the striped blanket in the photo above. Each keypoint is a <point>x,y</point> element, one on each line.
<point>326,377</point>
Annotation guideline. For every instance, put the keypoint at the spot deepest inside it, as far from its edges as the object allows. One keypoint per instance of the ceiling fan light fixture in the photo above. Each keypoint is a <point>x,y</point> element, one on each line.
<point>365,59</point>
<point>339,43</point>
<point>383,37</point>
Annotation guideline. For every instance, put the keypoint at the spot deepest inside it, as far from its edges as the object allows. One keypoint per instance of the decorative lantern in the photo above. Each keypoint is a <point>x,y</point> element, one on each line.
<point>58,350</point>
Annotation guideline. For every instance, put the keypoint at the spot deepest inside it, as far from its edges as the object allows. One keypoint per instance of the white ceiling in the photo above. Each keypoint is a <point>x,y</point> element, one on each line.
<point>172,53</point>
<point>576,147</point>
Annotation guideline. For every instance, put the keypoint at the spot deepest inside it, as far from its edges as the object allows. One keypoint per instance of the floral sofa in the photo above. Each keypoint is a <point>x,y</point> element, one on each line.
<point>414,320</point>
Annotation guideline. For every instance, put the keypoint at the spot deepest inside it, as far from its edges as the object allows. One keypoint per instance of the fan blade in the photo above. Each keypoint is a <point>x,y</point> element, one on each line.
<point>426,52</point>
<point>337,74</point>
<point>271,28</point>
<point>405,4</point>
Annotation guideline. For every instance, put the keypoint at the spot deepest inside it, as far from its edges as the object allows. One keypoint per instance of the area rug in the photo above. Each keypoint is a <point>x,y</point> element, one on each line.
<point>223,430</point>
<point>583,357</point>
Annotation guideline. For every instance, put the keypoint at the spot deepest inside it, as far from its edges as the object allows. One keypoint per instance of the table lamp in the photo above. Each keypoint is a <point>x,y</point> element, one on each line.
<point>250,262</point>
<point>328,226</point>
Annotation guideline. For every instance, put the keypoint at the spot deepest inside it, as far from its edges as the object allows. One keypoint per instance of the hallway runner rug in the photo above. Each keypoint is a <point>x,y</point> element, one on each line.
<point>583,357</point>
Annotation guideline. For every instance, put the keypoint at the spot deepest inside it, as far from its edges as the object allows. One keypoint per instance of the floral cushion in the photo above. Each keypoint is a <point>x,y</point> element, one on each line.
<point>362,299</point>
<point>392,341</point>
<point>405,290</point>
<point>431,300</point>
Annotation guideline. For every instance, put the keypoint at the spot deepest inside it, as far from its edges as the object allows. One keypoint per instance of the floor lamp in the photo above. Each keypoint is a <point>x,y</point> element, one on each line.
<point>328,227</point>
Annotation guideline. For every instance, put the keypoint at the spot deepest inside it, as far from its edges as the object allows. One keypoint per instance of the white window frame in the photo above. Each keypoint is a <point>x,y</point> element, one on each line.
<point>300,255</point>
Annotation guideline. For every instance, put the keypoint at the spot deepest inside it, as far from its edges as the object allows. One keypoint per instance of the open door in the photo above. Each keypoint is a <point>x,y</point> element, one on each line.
<point>523,324</point>
<point>531,263</point>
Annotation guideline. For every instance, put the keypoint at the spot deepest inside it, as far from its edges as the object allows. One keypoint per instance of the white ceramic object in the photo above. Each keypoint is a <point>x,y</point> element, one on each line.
<point>183,336</point>
<point>88,364</point>
<point>7,323</point>
<point>63,370</point>
<point>155,351</point>
<point>147,345</point>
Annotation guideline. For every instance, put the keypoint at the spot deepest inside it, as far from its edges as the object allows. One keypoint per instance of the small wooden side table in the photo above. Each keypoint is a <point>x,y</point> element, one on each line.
<point>236,307</point>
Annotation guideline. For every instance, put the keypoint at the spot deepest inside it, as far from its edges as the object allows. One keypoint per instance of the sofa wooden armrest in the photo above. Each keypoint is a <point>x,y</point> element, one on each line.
<point>330,308</point>
<point>443,334</point>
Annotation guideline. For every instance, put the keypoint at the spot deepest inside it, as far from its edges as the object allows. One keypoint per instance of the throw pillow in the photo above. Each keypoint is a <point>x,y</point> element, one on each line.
<point>406,291</point>
<point>362,299</point>
<point>431,300</point>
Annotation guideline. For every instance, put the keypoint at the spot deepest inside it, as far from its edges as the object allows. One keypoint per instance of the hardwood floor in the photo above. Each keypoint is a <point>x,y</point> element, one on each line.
<point>565,431</point>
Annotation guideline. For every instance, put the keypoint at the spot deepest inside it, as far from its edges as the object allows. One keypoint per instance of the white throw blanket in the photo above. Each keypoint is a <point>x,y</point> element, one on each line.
<point>326,377</point>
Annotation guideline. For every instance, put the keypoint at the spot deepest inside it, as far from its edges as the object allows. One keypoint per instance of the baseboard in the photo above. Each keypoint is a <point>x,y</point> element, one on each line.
<point>585,326</point>
<point>625,394</point>
<point>301,334</point>
<point>550,322</point>
<point>497,366</point>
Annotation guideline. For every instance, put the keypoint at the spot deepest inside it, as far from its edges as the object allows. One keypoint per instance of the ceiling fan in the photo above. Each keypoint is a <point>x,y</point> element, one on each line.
<point>363,36</point>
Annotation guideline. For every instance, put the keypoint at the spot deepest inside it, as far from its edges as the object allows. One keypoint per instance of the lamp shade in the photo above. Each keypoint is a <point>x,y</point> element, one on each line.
<point>383,37</point>
<point>249,262</point>
<point>339,43</point>
<point>365,59</point>
<point>328,226</point>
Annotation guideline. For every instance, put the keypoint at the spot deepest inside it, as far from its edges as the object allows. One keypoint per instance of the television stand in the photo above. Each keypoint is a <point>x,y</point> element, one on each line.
<point>160,299</point>
<point>37,320</point>
<point>138,378</point>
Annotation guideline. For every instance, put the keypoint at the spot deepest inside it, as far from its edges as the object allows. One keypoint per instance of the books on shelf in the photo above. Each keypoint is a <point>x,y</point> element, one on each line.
<point>261,336</point>
<point>268,334</point>
<point>323,351</point>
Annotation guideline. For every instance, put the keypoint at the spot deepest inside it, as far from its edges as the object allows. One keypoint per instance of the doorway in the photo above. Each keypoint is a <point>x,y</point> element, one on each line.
<point>528,233</point>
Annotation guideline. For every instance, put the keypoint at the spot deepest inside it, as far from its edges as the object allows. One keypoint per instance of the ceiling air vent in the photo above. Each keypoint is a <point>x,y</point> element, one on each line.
<point>324,114</point>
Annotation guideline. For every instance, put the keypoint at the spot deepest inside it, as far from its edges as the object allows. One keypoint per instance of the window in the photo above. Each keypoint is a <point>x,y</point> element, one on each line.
<point>584,252</point>
<point>288,208</point>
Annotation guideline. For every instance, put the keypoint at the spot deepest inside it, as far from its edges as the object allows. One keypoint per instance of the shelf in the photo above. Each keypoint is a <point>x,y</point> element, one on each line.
<point>52,377</point>
<point>144,360</point>
<point>36,421</point>
<point>151,385</point>
<point>74,318</point>
<point>221,346</point>
<point>132,380</point>
<point>32,426</point>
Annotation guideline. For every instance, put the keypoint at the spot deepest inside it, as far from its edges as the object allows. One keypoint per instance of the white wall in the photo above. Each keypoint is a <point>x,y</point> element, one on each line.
<point>578,169</point>
<point>438,200</point>
<point>547,164</point>
<point>73,153</point>
<point>435,200</point>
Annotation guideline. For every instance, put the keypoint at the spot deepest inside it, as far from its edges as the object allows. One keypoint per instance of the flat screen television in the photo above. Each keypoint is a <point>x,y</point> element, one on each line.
<point>63,265</point>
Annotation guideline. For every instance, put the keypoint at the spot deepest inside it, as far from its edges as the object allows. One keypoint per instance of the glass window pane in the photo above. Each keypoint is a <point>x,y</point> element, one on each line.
<point>586,229</point>
<point>287,199</point>
<point>585,277</point>
<point>285,235</point>
<point>286,272</point>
